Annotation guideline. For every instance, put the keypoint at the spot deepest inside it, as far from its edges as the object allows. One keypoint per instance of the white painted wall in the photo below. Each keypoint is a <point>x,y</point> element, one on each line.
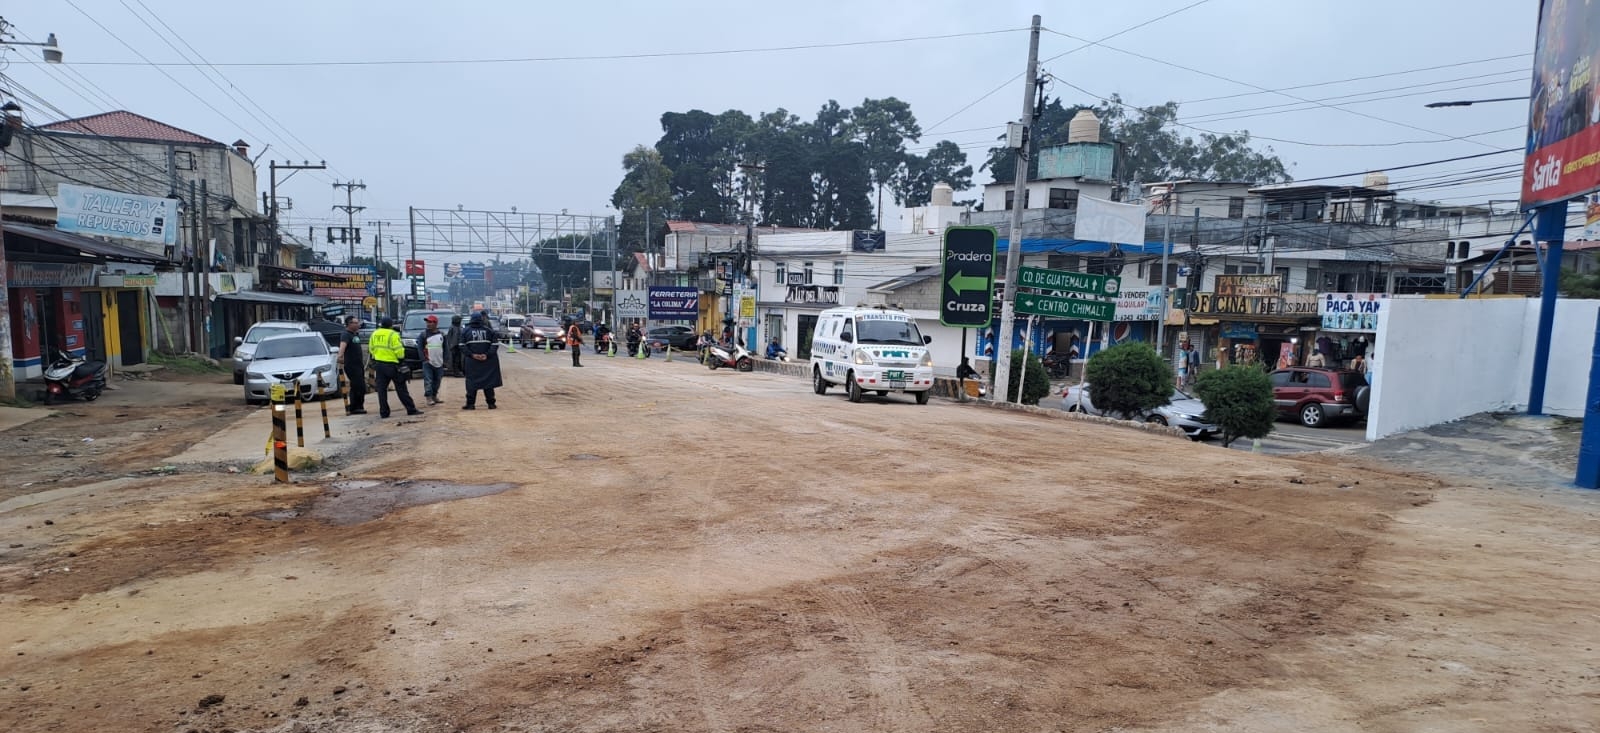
<point>1439,360</point>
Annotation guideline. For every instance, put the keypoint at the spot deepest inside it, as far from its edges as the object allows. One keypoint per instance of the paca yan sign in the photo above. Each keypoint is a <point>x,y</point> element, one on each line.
<point>1351,311</point>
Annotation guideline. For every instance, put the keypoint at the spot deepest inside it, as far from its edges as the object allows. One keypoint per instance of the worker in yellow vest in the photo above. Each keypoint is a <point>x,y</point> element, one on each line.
<point>388,357</point>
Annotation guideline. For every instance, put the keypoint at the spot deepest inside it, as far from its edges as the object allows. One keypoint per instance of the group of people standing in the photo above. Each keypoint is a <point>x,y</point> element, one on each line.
<point>471,352</point>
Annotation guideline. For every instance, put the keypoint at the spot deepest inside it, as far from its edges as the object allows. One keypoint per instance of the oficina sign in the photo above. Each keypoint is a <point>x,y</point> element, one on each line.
<point>1351,311</point>
<point>94,211</point>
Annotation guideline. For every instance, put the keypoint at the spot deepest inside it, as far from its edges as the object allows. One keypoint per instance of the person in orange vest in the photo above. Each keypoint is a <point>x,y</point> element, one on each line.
<point>574,341</point>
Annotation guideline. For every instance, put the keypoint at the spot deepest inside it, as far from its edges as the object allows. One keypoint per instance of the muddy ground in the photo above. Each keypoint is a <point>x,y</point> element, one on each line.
<point>654,547</point>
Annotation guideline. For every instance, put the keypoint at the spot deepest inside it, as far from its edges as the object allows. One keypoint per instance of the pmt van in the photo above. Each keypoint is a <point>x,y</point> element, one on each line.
<point>870,349</point>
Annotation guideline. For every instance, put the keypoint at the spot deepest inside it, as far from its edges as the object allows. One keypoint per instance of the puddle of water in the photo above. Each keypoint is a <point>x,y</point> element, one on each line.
<point>354,502</point>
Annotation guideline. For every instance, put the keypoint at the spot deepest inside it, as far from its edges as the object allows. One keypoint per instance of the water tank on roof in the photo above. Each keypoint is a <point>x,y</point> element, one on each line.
<point>943,195</point>
<point>1084,128</point>
<point>1376,179</point>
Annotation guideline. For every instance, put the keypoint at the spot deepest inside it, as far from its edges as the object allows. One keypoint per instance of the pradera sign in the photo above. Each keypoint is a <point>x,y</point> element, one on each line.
<point>966,290</point>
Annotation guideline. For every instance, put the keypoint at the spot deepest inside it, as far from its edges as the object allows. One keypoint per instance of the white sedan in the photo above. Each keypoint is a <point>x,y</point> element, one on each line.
<point>1183,411</point>
<point>295,360</point>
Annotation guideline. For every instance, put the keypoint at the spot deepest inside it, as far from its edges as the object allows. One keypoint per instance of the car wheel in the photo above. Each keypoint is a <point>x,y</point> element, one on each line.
<point>1156,420</point>
<point>852,390</point>
<point>922,397</point>
<point>1072,408</point>
<point>91,395</point>
<point>818,384</point>
<point>1311,415</point>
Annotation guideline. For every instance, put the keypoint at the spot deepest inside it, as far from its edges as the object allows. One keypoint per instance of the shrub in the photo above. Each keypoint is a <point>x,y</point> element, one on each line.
<point>1128,379</point>
<point>1038,385</point>
<point>1239,400</point>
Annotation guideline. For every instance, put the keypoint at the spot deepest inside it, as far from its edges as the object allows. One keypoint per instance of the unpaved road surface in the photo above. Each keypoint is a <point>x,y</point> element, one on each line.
<point>651,547</point>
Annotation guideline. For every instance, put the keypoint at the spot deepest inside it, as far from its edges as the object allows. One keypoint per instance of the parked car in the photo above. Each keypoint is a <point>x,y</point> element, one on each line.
<point>1315,396</point>
<point>295,358</point>
<point>682,338</point>
<point>1183,411</point>
<point>244,347</point>
<point>411,329</point>
<point>538,329</point>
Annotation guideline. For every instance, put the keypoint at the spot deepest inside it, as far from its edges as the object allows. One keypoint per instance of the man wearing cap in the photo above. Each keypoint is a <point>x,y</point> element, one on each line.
<point>479,344</point>
<point>433,350</point>
<point>387,355</point>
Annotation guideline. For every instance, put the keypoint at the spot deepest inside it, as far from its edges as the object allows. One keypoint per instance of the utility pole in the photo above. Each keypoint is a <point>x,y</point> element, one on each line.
<point>377,262</point>
<point>1002,347</point>
<point>1166,249</point>
<point>349,208</point>
<point>273,167</point>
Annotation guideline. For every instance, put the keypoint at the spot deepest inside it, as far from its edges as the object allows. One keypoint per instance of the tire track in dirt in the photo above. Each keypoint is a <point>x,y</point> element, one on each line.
<point>895,707</point>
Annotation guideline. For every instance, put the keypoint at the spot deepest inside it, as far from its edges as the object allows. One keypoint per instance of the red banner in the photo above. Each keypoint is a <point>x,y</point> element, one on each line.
<point>416,267</point>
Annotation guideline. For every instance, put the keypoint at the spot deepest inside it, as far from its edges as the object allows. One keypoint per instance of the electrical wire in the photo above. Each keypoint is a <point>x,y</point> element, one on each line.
<point>545,59</point>
<point>1362,78</point>
<point>1462,138</point>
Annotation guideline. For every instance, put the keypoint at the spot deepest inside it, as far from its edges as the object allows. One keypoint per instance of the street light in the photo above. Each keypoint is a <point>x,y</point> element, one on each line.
<point>52,52</point>
<point>1470,102</point>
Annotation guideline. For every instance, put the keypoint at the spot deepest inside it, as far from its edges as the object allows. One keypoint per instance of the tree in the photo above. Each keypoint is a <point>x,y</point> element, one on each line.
<point>702,150</point>
<point>1238,399</point>
<point>1149,147</point>
<point>788,193</point>
<point>644,193</point>
<point>1037,386</point>
<point>944,163</point>
<point>1128,379</point>
<point>1580,285</point>
<point>883,126</point>
<point>843,180</point>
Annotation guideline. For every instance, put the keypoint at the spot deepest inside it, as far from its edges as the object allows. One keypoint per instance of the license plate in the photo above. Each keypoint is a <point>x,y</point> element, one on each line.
<point>895,375</point>
<point>897,384</point>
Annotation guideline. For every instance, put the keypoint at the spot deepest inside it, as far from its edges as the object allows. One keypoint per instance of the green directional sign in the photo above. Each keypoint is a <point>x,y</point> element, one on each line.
<point>966,282</point>
<point>1062,281</point>
<point>1054,306</point>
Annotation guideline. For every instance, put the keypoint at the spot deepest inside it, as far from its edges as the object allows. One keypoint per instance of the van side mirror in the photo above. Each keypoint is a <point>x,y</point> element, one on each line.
<point>238,340</point>
<point>927,340</point>
<point>847,338</point>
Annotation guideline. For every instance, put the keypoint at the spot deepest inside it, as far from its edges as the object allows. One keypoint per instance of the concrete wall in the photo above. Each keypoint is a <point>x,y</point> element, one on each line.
<point>1439,360</point>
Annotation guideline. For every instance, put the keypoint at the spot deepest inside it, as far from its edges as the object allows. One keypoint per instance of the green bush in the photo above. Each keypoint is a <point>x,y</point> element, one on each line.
<point>1128,379</point>
<point>1038,385</point>
<point>1238,399</point>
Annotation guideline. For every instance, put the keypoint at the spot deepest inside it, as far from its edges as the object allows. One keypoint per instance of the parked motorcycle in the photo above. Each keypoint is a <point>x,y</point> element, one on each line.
<point>1057,365</point>
<point>70,377</point>
<point>737,357</point>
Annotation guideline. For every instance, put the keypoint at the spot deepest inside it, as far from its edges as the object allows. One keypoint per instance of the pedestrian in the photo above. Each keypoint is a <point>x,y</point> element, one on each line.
<point>1317,359</point>
<point>574,341</point>
<point>388,362</point>
<point>432,345</point>
<point>1358,364</point>
<point>452,347</point>
<point>354,364</point>
<point>480,345</point>
<point>1188,364</point>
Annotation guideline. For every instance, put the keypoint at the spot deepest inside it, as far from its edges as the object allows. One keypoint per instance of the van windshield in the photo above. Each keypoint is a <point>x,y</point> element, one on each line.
<point>885,331</point>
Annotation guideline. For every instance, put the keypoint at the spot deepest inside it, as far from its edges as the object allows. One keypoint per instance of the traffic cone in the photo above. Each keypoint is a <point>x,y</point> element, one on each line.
<point>642,352</point>
<point>612,350</point>
<point>669,353</point>
<point>547,346</point>
<point>511,347</point>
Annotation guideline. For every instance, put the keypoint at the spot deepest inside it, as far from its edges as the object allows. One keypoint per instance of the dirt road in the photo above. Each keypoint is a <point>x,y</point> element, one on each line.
<point>650,547</point>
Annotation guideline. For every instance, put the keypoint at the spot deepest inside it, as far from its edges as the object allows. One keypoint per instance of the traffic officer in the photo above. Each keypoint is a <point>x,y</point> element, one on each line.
<point>574,340</point>
<point>388,353</point>
<point>355,366</point>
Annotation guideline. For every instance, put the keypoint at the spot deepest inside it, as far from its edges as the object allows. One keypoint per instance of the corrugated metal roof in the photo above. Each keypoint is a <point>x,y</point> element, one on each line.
<point>86,245</point>
<point>125,124</point>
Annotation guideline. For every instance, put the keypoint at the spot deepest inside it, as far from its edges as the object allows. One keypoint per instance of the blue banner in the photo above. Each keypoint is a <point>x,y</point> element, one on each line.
<point>93,211</point>
<point>472,272</point>
<point>674,303</point>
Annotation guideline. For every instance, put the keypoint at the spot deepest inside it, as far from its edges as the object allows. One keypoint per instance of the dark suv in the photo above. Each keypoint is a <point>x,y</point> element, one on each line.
<point>411,329</point>
<point>1315,395</point>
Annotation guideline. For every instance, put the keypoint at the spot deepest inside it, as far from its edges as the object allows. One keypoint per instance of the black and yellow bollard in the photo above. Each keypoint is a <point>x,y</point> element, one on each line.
<point>299,419</point>
<point>326,433</point>
<point>280,437</point>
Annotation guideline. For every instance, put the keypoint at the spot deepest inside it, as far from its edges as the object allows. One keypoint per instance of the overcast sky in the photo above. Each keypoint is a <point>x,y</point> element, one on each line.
<point>547,136</point>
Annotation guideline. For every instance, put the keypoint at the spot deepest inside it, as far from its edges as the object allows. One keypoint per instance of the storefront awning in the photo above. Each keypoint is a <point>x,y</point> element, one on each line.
<point>88,247</point>
<point>266,298</point>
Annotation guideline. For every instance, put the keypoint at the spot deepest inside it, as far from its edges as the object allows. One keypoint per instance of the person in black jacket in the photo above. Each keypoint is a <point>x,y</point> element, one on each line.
<point>452,348</point>
<point>479,345</point>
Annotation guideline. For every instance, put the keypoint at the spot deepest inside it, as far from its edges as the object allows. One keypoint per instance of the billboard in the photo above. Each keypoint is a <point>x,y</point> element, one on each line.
<point>674,303</point>
<point>361,281</point>
<point>1106,221</point>
<point>1563,147</point>
<point>97,212</point>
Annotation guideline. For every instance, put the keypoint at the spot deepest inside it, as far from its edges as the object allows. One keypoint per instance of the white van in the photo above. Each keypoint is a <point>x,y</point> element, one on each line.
<point>870,349</point>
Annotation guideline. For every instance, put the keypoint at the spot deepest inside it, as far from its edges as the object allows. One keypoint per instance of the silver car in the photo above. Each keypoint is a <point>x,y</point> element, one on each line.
<point>295,360</point>
<point>1183,411</point>
<point>244,347</point>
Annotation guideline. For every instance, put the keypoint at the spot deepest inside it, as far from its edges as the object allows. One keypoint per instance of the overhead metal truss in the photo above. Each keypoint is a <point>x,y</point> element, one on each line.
<point>514,233</point>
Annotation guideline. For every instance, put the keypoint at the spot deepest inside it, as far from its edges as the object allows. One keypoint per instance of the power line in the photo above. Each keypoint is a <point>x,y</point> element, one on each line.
<point>1356,98</point>
<point>1014,77</point>
<point>1362,78</point>
<point>1462,138</point>
<point>545,59</point>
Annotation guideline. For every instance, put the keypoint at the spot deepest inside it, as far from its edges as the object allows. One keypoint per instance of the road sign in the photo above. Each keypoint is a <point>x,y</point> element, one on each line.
<point>1068,308</point>
<point>966,288</point>
<point>369,302</point>
<point>1062,281</point>
<point>573,256</point>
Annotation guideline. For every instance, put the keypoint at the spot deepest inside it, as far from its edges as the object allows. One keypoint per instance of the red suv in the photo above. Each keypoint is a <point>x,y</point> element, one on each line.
<point>1315,395</point>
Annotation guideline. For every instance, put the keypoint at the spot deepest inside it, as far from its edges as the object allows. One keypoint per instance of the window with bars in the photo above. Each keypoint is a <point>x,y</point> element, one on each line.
<point>838,273</point>
<point>782,271</point>
<point>808,274</point>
